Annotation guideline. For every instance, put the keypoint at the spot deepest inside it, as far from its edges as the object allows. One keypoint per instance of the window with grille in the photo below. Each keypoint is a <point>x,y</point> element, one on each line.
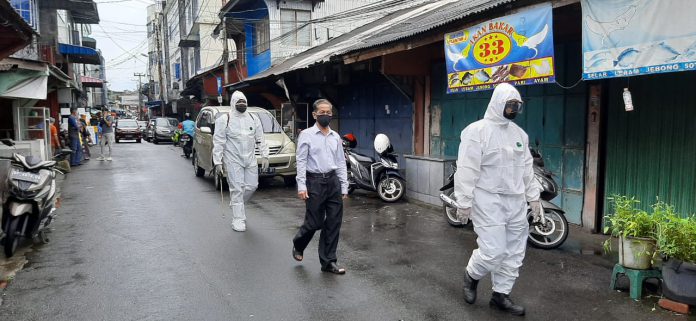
<point>28,10</point>
<point>262,37</point>
<point>295,31</point>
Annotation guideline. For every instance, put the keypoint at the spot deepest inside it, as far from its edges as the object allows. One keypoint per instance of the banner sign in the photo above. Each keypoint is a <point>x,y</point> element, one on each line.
<point>517,49</point>
<point>636,37</point>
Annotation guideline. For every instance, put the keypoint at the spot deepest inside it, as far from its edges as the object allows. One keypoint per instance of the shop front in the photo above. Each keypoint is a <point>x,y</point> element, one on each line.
<point>646,71</point>
<point>555,105</point>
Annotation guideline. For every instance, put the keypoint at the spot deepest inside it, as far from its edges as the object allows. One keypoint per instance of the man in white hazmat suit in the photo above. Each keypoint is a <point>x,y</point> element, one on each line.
<point>492,185</point>
<point>236,135</point>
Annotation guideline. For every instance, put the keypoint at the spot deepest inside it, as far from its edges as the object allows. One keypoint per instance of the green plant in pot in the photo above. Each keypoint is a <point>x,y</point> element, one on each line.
<point>676,240</point>
<point>636,230</point>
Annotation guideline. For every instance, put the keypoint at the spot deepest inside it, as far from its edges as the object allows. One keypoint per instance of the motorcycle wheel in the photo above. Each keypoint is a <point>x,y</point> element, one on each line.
<point>11,237</point>
<point>390,189</point>
<point>552,234</point>
<point>451,213</point>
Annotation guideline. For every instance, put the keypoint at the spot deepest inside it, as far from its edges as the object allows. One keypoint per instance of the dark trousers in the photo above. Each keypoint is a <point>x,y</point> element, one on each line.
<point>325,213</point>
<point>76,156</point>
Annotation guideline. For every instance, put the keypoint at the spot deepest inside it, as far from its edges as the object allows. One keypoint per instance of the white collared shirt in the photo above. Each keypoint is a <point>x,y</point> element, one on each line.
<point>319,153</point>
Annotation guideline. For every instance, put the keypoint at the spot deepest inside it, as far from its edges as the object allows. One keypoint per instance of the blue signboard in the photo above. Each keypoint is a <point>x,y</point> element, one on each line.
<point>636,37</point>
<point>219,86</point>
<point>517,49</point>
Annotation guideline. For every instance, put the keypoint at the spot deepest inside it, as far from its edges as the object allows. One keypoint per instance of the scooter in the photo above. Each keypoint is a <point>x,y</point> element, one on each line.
<point>549,233</point>
<point>186,142</point>
<point>28,205</point>
<point>382,176</point>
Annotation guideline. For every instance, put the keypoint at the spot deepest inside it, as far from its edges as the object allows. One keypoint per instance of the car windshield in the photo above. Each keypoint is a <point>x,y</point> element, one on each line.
<point>162,122</point>
<point>127,124</point>
<point>269,123</point>
<point>173,121</point>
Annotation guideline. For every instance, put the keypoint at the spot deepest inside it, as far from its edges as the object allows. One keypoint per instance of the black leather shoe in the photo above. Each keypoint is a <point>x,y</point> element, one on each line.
<point>502,302</point>
<point>333,268</point>
<point>469,288</point>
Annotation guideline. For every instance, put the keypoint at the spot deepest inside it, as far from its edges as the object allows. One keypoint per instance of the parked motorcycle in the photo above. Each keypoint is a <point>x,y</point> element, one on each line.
<point>28,204</point>
<point>186,142</point>
<point>382,176</point>
<point>547,235</point>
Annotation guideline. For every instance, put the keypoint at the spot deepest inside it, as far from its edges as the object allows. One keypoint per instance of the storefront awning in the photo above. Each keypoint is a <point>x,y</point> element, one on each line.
<point>396,24</point>
<point>79,54</point>
<point>91,82</point>
<point>25,79</point>
<point>154,104</point>
<point>27,84</point>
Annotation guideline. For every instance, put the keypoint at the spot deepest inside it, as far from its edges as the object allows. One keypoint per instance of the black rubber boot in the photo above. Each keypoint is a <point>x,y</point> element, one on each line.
<point>502,302</point>
<point>469,288</point>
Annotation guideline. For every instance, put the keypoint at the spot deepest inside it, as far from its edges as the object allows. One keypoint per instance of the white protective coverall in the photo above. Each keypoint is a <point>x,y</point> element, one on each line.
<point>236,135</point>
<point>495,178</point>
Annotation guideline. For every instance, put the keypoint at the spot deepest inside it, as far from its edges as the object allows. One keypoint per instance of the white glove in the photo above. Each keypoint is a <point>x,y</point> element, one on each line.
<point>463,215</point>
<point>536,212</point>
<point>264,164</point>
<point>218,170</point>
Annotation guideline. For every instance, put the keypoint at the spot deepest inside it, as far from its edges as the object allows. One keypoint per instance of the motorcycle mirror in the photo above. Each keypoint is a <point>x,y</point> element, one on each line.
<point>536,142</point>
<point>7,142</point>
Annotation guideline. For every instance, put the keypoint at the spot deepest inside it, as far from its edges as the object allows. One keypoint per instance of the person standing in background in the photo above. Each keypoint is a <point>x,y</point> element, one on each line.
<point>74,136</point>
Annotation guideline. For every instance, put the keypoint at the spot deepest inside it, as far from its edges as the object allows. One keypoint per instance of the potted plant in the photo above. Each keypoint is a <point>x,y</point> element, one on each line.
<point>676,240</point>
<point>636,231</point>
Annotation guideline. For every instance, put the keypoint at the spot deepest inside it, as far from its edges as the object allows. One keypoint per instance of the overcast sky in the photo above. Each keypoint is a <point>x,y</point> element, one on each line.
<point>122,37</point>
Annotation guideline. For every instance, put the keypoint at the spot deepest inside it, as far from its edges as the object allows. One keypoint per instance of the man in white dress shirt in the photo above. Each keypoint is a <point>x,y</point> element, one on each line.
<point>322,182</point>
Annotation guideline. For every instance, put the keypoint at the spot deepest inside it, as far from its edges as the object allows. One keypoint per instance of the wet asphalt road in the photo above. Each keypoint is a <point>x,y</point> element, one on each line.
<point>141,238</point>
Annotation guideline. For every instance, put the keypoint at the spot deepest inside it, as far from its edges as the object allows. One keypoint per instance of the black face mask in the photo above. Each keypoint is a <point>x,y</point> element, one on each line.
<point>324,120</point>
<point>509,115</point>
<point>241,109</point>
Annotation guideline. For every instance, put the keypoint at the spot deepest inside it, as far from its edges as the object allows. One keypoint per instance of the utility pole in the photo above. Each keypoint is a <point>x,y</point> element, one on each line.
<point>225,53</point>
<point>140,95</point>
<point>158,25</point>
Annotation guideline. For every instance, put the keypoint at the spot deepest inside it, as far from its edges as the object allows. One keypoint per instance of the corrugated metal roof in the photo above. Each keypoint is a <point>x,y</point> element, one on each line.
<point>395,26</point>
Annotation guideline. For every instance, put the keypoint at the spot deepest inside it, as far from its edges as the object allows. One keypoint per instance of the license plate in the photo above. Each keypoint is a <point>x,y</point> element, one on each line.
<point>25,176</point>
<point>269,170</point>
<point>184,139</point>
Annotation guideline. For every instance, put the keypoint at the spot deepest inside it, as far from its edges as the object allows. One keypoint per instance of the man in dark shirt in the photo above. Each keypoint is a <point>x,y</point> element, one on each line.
<point>74,136</point>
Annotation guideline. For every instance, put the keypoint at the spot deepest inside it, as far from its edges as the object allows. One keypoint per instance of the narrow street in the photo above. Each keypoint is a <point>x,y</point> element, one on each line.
<point>141,238</point>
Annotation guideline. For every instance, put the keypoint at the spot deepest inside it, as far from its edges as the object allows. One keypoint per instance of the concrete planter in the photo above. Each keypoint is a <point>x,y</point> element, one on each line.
<point>636,252</point>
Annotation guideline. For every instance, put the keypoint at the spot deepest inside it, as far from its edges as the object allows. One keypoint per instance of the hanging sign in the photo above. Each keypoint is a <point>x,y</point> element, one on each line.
<point>637,37</point>
<point>517,49</point>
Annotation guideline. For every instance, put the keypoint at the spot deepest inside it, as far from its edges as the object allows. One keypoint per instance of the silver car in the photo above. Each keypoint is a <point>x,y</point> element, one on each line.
<point>281,148</point>
<point>163,129</point>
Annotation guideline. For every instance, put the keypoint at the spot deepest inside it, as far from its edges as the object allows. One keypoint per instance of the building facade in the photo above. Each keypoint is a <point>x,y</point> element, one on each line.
<point>60,68</point>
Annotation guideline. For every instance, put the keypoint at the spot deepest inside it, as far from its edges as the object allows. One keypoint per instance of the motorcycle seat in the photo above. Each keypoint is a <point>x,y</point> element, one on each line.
<point>363,159</point>
<point>32,162</point>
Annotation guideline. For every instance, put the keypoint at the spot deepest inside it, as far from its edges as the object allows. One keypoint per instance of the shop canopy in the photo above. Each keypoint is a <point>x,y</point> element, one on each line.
<point>91,82</point>
<point>393,26</point>
<point>23,79</point>
<point>79,54</point>
<point>154,104</point>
